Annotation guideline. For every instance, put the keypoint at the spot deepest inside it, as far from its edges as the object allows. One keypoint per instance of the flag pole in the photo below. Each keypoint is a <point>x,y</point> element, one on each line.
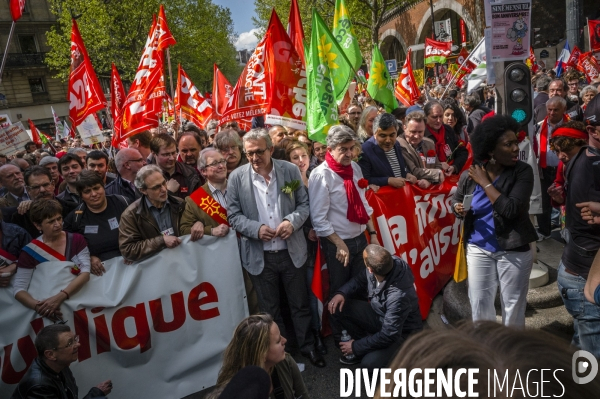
<point>12,29</point>
<point>461,65</point>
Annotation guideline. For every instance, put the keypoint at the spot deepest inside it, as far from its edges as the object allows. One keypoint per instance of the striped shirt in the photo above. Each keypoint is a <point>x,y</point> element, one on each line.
<point>393,160</point>
<point>218,195</point>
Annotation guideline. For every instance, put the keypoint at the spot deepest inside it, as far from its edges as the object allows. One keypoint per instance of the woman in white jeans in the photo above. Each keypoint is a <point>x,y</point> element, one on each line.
<point>497,229</point>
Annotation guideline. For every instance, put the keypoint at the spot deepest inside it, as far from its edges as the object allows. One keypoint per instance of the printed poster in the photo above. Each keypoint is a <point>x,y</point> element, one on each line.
<point>443,30</point>
<point>511,30</point>
<point>13,139</point>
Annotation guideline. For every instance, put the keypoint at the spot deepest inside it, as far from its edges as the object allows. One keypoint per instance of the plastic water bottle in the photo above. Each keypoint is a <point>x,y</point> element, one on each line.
<point>345,338</point>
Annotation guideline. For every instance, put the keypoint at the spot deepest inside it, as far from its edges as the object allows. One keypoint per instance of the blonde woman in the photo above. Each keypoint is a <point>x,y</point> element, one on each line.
<point>258,342</point>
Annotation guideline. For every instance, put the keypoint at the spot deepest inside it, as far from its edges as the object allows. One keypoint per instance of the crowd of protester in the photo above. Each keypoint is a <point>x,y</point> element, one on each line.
<point>285,195</point>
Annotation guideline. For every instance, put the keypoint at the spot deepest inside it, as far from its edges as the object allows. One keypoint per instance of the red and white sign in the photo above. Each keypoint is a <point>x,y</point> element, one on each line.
<point>189,102</point>
<point>407,91</point>
<point>156,328</point>
<point>85,93</point>
<point>589,65</point>
<point>117,96</point>
<point>574,57</point>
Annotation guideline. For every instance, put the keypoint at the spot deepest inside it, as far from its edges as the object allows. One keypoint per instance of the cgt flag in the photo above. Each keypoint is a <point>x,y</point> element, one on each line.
<point>588,65</point>
<point>380,85</point>
<point>85,93</point>
<point>117,95</point>
<point>189,102</point>
<point>16,9</point>
<point>407,91</point>
<point>436,52</point>
<point>222,91</point>
<point>295,30</point>
<point>144,101</point>
<point>574,57</point>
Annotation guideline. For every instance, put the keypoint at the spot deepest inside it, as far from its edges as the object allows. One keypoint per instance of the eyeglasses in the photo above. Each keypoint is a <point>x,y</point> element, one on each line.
<point>71,342</point>
<point>46,186</point>
<point>158,186</point>
<point>216,164</point>
<point>354,113</point>
<point>251,154</point>
<point>228,149</point>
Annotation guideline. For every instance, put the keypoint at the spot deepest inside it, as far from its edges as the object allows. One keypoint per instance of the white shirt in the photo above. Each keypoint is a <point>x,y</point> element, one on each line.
<point>266,197</point>
<point>329,203</point>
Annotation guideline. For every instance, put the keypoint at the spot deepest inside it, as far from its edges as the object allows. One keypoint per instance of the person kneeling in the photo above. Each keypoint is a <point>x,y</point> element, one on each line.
<point>49,375</point>
<point>381,325</point>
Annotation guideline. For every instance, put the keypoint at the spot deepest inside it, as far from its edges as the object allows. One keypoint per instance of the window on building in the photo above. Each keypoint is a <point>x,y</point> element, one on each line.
<point>28,44</point>
<point>37,85</point>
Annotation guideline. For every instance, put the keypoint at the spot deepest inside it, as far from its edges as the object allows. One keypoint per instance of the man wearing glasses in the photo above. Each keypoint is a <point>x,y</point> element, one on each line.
<point>353,115</point>
<point>151,223</point>
<point>267,204</point>
<point>128,162</point>
<point>49,375</point>
<point>229,144</point>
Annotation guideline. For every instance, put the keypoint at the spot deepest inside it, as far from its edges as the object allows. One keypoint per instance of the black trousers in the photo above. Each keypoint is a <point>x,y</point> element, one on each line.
<point>338,274</point>
<point>360,320</point>
<point>545,218</point>
<point>279,267</point>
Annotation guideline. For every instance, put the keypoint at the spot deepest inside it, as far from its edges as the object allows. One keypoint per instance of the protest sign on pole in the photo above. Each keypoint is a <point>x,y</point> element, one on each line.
<point>165,320</point>
<point>13,139</point>
<point>90,131</point>
<point>511,30</point>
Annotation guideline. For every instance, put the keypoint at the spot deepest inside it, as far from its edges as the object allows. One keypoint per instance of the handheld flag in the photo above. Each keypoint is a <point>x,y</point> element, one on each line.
<point>58,125</point>
<point>563,59</point>
<point>295,30</point>
<point>531,61</point>
<point>189,102</point>
<point>436,52</point>
<point>344,34</point>
<point>16,9</point>
<point>380,85</point>
<point>35,133</point>
<point>407,91</point>
<point>117,95</point>
<point>85,93</point>
<point>574,57</point>
<point>589,65</point>
<point>594,32</point>
<point>222,91</point>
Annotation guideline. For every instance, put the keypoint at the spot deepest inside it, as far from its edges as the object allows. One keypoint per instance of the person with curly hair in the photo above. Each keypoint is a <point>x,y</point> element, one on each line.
<point>497,229</point>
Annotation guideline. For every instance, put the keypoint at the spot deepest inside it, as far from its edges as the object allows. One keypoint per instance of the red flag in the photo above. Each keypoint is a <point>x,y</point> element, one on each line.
<point>16,9</point>
<point>407,91</point>
<point>272,83</point>
<point>574,58</point>
<point>144,101</point>
<point>295,30</point>
<point>463,33</point>
<point>594,31</point>
<point>436,52</point>
<point>35,134</point>
<point>85,93</point>
<point>531,61</point>
<point>589,65</point>
<point>222,91</point>
<point>117,95</point>
<point>320,288</point>
<point>189,102</point>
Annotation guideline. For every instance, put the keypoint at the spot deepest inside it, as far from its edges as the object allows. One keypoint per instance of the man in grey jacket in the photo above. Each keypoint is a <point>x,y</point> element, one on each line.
<point>267,204</point>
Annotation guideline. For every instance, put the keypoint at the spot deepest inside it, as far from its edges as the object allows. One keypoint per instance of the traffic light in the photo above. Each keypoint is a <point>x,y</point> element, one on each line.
<point>517,92</point>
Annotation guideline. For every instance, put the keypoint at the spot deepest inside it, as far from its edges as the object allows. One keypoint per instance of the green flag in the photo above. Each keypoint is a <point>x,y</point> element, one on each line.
<point>380,85</point>
<point>344,34</point>
<point>328,74</point>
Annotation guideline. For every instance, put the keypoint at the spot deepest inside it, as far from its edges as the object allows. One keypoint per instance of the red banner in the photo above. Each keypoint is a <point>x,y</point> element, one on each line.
<point>35,134</point>
<point>189,102</point>
<point>85,93</point>
<point>273,82</point>
<point>574,57</point>
<point>144,101</point>
<point>463,33</point>
<point>295,30</point>
<point>436,52</point>
<point>594,31</point>
<point>407,91</point>
<point>589,65</point>
<point>16,9</point>
<point>117,97</point>
<point>418,225</point>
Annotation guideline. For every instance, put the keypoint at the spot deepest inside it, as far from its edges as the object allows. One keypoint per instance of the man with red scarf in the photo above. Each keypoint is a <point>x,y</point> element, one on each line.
<point>548,161</point>
<point>339,209</point>
<point>450,152</point>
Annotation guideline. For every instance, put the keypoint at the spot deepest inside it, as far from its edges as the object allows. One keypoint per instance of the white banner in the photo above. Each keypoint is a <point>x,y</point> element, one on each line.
<point>13,139</point>
<point>156,328</point>
<point>443,30</point>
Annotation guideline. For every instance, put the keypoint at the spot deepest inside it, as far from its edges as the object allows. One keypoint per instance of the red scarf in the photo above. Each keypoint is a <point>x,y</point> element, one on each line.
<point>440,142</point>
<point>356,210</point>
<point>544,141</point>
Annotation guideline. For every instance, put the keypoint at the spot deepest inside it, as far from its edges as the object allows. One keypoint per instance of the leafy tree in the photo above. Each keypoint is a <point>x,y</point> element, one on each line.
<point>116,31</point>
<point>366,16</point>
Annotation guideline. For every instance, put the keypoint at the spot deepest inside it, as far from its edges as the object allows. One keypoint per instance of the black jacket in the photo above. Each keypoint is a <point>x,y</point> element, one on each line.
<point>14,238</point>
<point>121,187</point>
<point>511,210</point>
<point>460,154</point>
<point>68,200</point>
<point>41,382</point>
<point>394,301</point>
<point>475,117</point>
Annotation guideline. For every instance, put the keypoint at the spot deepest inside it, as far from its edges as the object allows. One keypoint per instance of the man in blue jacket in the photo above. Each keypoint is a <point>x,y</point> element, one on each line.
<point>380,326</point>
<point>381,161</point>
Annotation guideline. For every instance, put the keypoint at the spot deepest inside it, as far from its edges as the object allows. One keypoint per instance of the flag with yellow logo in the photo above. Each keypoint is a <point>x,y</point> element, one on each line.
<point>328,74</point>
<point>380,86</point>
<point>344,34</point>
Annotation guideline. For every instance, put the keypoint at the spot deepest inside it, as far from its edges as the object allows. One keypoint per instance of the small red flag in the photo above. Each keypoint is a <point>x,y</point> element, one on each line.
<point>117,95</point>
<point>407,91</point>
<point>35,134</point>
<point>589,65</point>
<point>574,57</point>
<point>222,91</point>
<point>16,9</point>
<point>85,93</point>
<point>189,102</point>
<point>295,30</point>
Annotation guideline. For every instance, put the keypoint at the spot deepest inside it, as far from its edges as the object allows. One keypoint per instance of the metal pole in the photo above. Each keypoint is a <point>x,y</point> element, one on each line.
<point>461,65</point>
<point>574,17</point>
<point>435,68</point>
<point>12,29</point>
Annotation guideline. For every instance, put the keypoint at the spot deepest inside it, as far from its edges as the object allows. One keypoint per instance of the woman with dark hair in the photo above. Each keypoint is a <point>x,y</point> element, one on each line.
<point>497,229</point>
<point>257,341</point>
<point>318,155</point>
<point>454,117</point>
<point>53,246</point>
<point>97,219</point>
<point>451,153</point>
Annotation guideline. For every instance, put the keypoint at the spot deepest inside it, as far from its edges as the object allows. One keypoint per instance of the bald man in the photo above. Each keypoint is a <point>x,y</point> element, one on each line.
<point>380,326</point>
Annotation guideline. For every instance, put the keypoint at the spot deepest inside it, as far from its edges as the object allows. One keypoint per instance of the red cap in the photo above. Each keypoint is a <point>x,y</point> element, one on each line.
<point>570,132</point>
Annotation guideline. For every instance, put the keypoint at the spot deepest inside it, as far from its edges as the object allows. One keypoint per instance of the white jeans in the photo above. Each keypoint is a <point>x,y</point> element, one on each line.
<point>511,270</point>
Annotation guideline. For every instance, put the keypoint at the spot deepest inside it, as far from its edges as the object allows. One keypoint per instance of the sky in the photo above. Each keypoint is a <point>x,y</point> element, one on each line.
<point>242,12</point>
